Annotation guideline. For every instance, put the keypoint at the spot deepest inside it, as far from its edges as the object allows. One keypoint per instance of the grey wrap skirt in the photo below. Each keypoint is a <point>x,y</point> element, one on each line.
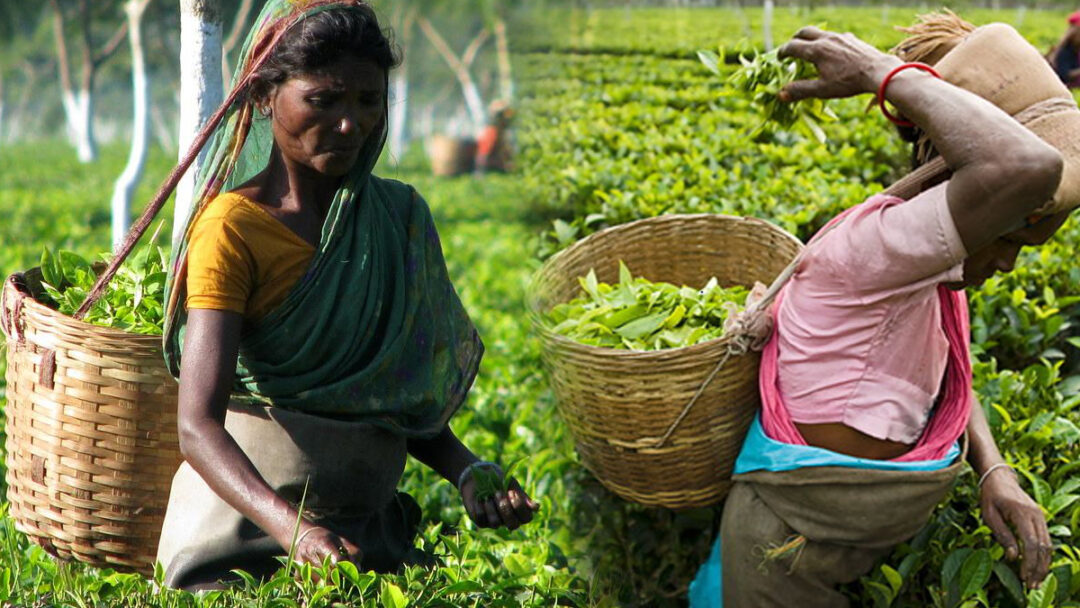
<point>351,469</point>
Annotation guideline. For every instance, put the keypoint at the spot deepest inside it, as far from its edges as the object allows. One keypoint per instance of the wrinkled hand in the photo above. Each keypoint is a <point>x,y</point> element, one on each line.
<point>846,65</point>
<point>511,508</point>
<point>320,543</point>
<point>1011,513</point>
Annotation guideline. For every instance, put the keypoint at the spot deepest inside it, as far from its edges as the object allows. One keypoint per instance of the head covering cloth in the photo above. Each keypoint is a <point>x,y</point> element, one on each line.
<point>374,331</point>
<point>996,63</point>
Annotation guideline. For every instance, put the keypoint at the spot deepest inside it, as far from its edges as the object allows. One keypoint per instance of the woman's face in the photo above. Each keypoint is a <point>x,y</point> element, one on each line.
<point>320,120</point>
<point>1000,254</point>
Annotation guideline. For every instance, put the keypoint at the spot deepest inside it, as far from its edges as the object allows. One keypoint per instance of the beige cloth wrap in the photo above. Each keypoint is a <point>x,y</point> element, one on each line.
<point>996,63</point>
<point>848,517</point>
<point>353,468</point>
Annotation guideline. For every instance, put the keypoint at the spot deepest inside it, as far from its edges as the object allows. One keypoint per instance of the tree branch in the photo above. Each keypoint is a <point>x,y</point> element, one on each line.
<point>469,56</point>
<point>461,71</point>
<point>63,65</point>
<point>237,26</point>
<point>113,44</point>
<point>88,66</point>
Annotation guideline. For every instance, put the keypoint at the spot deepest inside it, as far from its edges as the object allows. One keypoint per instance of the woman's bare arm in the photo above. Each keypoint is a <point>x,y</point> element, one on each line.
<point>1001,171</point>
<point>1006,508</point>
<point>211,344</point>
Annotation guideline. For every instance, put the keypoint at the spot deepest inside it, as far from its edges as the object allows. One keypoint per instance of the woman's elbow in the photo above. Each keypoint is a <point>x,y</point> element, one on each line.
<point>1037,172</point>
<point>191,435</point>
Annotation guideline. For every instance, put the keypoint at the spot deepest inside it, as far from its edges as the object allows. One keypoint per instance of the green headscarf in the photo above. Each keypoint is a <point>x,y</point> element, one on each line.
<point>374,331</point>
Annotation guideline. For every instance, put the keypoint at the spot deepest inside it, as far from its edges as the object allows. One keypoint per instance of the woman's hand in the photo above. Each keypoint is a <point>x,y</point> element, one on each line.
<point>1011,513</point>
<point>511,508</point>
<point>317,543</point>
<point>846,65</point>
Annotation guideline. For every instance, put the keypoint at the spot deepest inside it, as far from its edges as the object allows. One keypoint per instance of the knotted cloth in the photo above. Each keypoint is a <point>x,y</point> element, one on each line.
<point>374,332</point>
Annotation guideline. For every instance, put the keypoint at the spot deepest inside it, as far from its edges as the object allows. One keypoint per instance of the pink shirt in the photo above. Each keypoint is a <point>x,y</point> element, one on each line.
<point>859,326</point>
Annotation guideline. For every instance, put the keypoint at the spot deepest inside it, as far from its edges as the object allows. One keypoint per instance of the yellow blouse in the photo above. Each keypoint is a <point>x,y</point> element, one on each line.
<point>242,259</point>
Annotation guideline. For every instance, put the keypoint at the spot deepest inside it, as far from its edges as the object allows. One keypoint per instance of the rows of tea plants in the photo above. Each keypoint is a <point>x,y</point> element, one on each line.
<point>638,127</point>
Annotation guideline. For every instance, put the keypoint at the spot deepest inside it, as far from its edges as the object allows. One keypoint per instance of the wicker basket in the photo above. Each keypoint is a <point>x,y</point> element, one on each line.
<point>91,433</point>
<point>619,404</point>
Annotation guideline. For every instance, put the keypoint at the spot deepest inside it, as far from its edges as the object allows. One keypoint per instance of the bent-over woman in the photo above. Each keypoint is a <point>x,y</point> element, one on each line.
<point>866,381</point>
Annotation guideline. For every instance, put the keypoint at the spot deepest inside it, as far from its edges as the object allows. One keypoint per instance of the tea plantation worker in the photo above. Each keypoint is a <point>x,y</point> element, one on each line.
<point>493,149</point>
<point>316,335</point>
<point>866,380</point>
<point>1065,56</point>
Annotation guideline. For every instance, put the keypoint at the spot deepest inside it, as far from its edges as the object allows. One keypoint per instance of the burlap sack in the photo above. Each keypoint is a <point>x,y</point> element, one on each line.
<point>790,537</point>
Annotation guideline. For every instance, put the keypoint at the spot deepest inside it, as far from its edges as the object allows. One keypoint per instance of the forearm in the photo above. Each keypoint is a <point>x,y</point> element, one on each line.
<point>444,453</point>
<point>983,452</point>
<point>224,466</point>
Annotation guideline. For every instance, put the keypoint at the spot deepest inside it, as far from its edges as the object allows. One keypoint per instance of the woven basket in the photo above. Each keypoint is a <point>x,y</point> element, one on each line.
<point>620,404</point>
<point>91,433</point>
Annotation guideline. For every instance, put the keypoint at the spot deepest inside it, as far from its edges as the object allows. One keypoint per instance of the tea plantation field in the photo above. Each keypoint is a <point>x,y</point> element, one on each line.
<point>618,121</point>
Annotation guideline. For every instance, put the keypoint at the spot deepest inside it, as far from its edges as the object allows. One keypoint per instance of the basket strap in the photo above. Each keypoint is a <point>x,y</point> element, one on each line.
<point>10,319</point>
<point>47,369</point>
<point>37,469</point>
<point>686,409</point>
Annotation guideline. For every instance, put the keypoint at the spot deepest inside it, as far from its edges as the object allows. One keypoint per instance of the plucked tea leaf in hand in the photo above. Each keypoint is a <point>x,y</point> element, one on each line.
<point>761,78</point>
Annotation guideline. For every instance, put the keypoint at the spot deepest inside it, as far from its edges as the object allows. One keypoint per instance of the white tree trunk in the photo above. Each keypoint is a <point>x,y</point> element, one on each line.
<point>469,90</point>
<point>399,98</point>
<point>766,24</point>
<point>399,87</point>
<point>79,110</point>
<point>502,48</point>
<point>124,189</point>
<point>200,88</point>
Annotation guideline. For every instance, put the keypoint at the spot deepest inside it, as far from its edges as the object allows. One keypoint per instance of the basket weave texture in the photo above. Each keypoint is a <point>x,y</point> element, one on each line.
<point>619,404</point>
<point>91,433</point>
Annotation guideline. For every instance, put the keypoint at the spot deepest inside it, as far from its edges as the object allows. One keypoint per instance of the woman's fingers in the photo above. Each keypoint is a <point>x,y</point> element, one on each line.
<point>492,513</point>
<point>351,552</point>
<point>476,511</point>
<point>1037,551</point>
<point>323,545</point>
<point>522,510</point>
<point>808,89</point>
<point>797,48</point>
<point>1002,534</point>
<point>506,511</point>
<point>523,505</point>
<point>810,32</point>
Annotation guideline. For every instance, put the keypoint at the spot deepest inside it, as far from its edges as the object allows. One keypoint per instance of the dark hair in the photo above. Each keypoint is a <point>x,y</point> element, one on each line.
<point>319,40</point>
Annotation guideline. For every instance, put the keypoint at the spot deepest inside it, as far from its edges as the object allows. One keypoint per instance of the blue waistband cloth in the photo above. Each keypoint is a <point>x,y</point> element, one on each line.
<point>760,453</point>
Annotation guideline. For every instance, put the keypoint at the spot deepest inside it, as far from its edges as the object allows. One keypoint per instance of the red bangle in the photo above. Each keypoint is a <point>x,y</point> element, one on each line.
<point>885,82</point>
